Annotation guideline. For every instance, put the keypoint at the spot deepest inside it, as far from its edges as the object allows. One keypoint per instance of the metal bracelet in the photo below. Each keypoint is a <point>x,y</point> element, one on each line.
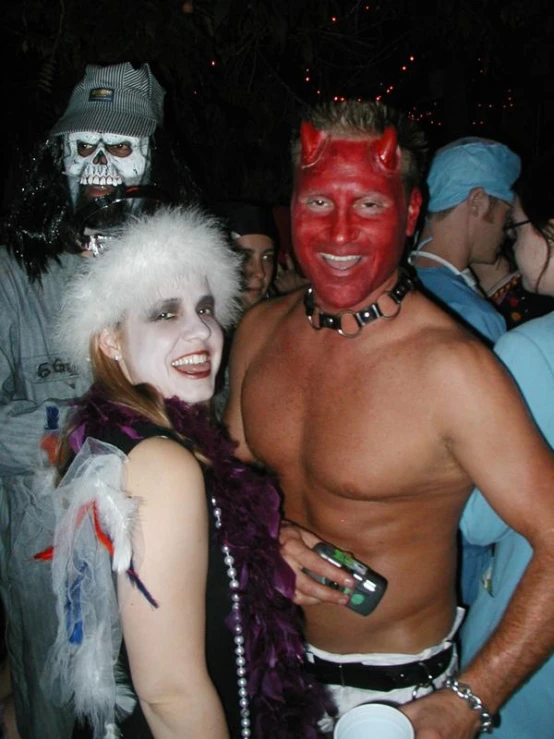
<point>464,692</point>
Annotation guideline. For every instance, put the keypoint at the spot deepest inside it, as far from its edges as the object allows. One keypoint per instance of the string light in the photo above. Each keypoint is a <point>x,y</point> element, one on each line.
<point>431,114</point>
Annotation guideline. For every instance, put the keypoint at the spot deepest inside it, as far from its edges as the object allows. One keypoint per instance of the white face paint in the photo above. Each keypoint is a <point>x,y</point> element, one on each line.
<point>101,161</point>
<point>176,343</point>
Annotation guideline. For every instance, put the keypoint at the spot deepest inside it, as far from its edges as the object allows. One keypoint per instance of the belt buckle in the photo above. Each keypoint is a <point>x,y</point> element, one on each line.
<point>427,682</point>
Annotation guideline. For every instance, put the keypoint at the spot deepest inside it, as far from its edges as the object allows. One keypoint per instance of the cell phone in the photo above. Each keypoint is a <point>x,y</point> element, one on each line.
<point>369,585</point>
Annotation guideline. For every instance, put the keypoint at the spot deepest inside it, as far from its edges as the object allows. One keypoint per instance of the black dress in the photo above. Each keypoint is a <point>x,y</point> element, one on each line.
<point>220,658</point>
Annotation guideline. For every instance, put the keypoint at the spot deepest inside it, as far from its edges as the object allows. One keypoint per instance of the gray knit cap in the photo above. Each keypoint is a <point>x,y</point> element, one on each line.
<point>118,99</point>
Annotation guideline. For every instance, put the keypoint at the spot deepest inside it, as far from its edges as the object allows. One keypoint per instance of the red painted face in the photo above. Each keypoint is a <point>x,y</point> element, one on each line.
<point>350,218</point>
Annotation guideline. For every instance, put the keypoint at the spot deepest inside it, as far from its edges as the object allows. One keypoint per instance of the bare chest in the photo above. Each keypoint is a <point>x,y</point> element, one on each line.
<point>342,419</point>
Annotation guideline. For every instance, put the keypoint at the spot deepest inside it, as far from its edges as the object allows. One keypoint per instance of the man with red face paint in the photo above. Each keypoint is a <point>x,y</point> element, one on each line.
<point>379,414</point>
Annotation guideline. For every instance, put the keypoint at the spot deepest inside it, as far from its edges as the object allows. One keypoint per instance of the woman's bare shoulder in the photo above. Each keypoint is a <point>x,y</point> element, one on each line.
<point>160,464</point>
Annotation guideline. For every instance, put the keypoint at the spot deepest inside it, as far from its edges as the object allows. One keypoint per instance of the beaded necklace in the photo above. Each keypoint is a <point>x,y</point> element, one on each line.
<point>238,637</point>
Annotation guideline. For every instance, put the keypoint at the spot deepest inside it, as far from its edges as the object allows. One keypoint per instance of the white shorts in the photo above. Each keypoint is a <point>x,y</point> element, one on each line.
<point>346,697</point>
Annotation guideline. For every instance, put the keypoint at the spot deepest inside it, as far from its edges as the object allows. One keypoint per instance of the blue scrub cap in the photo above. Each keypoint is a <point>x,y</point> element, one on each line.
<point>468,163</point>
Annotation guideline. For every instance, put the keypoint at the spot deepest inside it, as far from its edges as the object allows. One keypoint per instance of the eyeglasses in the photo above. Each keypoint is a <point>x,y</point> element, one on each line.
<point>510,228</point>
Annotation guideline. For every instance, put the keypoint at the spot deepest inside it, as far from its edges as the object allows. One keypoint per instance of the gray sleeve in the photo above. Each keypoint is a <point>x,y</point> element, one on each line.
<point>22,426</point>
<point>23,418</point>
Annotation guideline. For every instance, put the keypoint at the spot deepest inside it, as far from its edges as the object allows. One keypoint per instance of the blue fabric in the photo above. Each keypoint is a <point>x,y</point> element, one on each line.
<point>469,163</point>
<point>528,353</point>
<point>475,310</point>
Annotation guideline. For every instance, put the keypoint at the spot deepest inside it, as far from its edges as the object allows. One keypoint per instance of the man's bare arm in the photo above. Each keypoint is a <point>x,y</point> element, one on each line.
<point>476,400</point>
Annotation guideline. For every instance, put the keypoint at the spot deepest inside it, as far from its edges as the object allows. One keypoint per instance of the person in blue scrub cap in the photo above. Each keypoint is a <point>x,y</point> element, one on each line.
<point>470,197</point>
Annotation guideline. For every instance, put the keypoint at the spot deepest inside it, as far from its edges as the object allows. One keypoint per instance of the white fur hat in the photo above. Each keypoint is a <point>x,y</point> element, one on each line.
<point>152,251</point>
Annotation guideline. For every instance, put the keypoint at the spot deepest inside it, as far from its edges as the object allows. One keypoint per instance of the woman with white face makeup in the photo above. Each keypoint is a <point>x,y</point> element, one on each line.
<point>528,353</point>
<point>190,632</point>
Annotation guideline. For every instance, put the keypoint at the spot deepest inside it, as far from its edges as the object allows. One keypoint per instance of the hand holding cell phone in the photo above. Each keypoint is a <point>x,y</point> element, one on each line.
<point>297,548</point>
<point>369,586</point>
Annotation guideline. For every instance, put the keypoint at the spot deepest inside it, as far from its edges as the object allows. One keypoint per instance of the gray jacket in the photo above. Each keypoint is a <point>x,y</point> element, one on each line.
<point>36,387</point>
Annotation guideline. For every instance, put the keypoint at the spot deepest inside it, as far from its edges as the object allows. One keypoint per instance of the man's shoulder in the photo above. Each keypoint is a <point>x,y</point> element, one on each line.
<point>270,312</point>
<point>439,324</point>
<point>441,341</point>
<point>259,325</point>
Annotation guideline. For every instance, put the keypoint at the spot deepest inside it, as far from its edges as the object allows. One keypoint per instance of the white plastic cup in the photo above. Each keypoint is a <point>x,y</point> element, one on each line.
<point>374,721</point>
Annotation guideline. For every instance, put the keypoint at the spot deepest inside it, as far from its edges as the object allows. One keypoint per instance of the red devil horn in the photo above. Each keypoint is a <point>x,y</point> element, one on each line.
<point>312,141</point>
<point>386,150</point>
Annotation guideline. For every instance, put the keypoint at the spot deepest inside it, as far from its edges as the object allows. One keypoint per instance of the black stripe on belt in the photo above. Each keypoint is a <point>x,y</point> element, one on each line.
<point>379,677</point>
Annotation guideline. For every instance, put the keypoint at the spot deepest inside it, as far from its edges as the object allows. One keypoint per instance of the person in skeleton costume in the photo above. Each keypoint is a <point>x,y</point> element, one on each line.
<point>107,156</point>
<point>103,160</point>
<point>378,413</point>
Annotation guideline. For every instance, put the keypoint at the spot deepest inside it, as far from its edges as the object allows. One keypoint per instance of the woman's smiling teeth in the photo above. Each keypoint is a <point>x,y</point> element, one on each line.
<point>191,359</point>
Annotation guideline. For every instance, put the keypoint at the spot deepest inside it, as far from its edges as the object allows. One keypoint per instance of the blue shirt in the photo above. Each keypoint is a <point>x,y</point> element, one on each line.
<point>528,353</point>
<point>454,292</point>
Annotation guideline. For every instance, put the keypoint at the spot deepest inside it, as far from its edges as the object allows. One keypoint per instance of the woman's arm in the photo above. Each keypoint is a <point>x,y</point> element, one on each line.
<point>166,645</point>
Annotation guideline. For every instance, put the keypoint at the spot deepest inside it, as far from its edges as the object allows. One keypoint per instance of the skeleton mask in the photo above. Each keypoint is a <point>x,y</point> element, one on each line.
<point>102,160</point>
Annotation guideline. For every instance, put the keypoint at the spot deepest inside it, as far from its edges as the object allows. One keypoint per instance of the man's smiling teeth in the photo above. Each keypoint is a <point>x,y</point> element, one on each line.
<point>190,359</point>
<point>344,261</point>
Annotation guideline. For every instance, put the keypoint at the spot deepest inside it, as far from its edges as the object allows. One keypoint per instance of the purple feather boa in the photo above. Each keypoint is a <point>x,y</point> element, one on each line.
<point>286,703</point>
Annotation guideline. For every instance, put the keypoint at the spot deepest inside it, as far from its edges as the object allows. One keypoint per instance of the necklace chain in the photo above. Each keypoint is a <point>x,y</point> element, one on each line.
<point>238,636</point>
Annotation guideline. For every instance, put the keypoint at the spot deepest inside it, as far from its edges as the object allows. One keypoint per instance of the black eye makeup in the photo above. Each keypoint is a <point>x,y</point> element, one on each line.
<point>164,310</point>
<point>206,306</point>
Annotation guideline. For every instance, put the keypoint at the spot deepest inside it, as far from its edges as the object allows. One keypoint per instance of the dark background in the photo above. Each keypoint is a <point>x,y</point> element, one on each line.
<point>239,72</point>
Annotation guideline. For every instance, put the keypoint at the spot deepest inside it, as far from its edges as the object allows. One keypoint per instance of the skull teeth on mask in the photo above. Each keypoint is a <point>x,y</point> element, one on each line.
<point>101,168</point>
<point>100,174</point>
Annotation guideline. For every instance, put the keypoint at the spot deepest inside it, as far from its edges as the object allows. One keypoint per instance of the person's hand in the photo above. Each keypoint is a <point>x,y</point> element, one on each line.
<point>296,549</point>
<point>442,715</point>
<point>287,278</point>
